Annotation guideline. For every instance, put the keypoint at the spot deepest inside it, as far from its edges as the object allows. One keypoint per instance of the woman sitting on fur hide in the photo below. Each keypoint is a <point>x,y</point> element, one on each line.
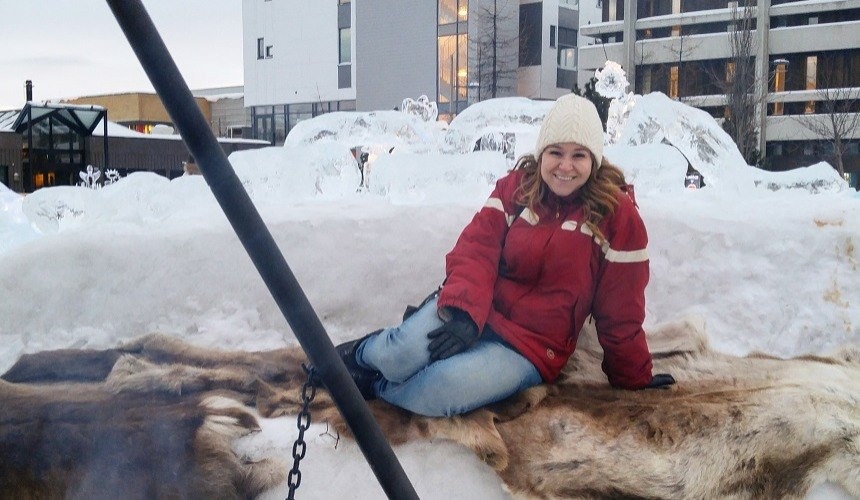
<point>559,239</point>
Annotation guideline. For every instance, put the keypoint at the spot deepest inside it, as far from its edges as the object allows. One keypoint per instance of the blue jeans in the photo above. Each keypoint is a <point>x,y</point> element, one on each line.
<point>489,371</point>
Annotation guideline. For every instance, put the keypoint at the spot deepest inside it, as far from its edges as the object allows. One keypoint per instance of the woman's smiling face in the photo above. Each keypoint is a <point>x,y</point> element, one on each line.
<point>565,167</point>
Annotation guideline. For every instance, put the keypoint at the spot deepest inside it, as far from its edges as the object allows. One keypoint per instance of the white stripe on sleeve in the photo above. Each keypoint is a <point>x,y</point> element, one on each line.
<point>626,257</point>
<point>496,203</point>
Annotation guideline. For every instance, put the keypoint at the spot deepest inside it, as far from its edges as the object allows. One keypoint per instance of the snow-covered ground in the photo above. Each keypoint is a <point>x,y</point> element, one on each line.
<point>770,261</point>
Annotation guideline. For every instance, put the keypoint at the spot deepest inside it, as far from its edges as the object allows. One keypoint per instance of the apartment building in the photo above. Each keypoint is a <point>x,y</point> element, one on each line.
<point>308,57</point>
<point>807,59</point>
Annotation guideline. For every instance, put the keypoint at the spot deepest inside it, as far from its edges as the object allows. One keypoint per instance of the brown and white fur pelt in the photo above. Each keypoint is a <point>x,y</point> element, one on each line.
<point>85,440</point>
<point>732,427</point>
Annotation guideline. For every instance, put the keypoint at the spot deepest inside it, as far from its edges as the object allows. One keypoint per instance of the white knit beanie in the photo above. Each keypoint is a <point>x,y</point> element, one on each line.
<point>572,119</point>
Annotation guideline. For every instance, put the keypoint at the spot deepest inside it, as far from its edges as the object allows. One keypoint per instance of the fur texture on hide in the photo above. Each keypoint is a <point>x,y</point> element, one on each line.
<point>90,441</point>
<point>751,427</point>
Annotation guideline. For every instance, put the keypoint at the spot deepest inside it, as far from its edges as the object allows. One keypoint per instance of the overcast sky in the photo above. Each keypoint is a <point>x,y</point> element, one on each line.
<point>72,48</point>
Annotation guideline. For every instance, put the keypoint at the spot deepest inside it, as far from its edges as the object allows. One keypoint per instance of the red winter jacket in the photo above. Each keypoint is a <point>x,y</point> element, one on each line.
<point>553,274</point>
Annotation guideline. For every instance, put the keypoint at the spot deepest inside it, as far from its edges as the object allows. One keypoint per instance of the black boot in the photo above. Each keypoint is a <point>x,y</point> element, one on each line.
<point>364,377</point>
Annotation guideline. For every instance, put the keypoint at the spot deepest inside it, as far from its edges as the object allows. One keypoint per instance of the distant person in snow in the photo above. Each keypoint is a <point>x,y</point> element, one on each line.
<point>559,240</point>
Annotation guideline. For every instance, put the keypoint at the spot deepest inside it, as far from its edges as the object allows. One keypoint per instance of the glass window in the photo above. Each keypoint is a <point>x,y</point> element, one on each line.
<point>261,48</point>
<point>530,27</point>
<point>646,81</point>
<point>673,82</point>
<point>447,11</point>
<point>345,46</point>
<point>462,66</point>
<point>344,76</point>
<point>780,68</point>
<point>567,58</point>
<point>811,80</point>
<point>447,49</point>
<point>811,72</point>
<point>613,10</point>
<point>567,37</point>
<point>463,10</point>
<point>452,11</point>
<point>453,64</point>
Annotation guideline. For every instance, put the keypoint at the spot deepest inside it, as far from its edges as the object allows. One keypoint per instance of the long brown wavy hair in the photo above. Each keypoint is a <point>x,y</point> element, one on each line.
<point>598,194</point>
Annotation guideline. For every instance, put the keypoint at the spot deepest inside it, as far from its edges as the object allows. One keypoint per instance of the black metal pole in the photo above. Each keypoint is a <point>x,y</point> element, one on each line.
<point>258,242</point>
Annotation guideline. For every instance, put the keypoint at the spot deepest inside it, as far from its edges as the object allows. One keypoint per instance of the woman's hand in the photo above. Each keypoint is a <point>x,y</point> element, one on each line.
<point>453,337</point>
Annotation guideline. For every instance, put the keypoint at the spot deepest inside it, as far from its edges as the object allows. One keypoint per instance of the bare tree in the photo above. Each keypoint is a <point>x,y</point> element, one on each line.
<point>658,60</point>
<point>739,84</point>
<point>836,120</point>
<point>494,48</point>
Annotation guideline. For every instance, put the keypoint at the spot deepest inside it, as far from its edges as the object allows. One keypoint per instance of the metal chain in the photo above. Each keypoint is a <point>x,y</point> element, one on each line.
<point>303,421</point>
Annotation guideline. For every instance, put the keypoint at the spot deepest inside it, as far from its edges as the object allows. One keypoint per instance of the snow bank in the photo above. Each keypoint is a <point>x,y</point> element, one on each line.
<point>776,272</point>
<point>768,270</point>
<point>818,178</point>
<point>437,178</point>
<point>15,228</point>
<point>10,202</point>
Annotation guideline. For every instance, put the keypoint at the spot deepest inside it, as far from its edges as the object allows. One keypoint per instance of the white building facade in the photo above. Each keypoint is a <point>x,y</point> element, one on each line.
<point>806,53</point>
<point>307,57</point>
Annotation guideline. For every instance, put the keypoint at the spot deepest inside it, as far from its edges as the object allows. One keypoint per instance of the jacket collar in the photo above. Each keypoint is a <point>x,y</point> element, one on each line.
<point>555,206</point>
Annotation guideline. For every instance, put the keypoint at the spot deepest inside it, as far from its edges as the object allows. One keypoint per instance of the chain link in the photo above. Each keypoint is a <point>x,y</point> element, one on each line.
<point>303,421</point>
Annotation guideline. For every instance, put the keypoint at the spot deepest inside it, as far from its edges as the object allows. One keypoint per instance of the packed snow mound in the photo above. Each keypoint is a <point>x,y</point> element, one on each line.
<point>388,129</point>
<point>60,208</point>
<point>414,179</point>
<point>657,119</point>
<point>271,176</point>
<point>318,162</point>
<point>818,178</point>
<point>321,170</point>
<point>8,201</point>
<point>15,229</point>
<point>504,122</point>
<point>140,198</point>
<point>651,168</point>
